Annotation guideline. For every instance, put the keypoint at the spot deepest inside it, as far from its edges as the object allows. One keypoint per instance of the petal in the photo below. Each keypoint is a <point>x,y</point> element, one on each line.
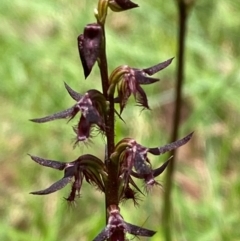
<point>89,46</point>
<point>93,169</point>
<point>135,185</point>
<point>98,101</point>
<point>103,235</point>
<point>48,163</point>
<point>70,171</point>
<point>76,187</point>
<point>139,231</point>
<point>159,170</point>
<point>171,146</point>
<point>54,187</point>
<point>80,40</point>
<point>140,164</point>
<point>75,95</point>
<point>71,112</point>
<point>123,94</point>
<point>129,193</point>
<point>119,116</point>
<point>93,177</point>
<point>141,97</point>
<point>156,68</point>
<point>91,161</point>
<point>93,116</point>
<point>121,5</point>
<point>142,79</point>
<point>83,129</point>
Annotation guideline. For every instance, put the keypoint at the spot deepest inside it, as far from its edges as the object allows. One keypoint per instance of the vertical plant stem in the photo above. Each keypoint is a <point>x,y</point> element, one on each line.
<point>103,66</point>
<point>102,63</point>
<point>167,210</point>
<point>111,187</point>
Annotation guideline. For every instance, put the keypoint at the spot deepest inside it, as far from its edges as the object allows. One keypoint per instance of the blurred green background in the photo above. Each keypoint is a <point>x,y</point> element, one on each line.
<point>38,52</point>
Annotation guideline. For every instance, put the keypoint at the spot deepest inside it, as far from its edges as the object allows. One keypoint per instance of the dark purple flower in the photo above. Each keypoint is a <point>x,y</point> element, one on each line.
<point>89,44</point>
<point>129,80</point>
<point>93,108</point>
<point>117,227</point>
<point>134,162</point>
<point>121,5</point>
<point>86,166</point>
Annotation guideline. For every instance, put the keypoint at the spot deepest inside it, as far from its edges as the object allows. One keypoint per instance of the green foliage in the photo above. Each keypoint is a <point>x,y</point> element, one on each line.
<point>38,53</point>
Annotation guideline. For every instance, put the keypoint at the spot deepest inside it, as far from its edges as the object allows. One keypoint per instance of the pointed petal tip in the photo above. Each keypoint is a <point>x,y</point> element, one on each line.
<point>158,67</point>
<point>139,231</point>
<point>31,156</point>
<point>33,193</point>
<point>87,73</point>
<point>37,193</point>
<point>54,187</point>
<point>162,168</point>
<point>189,136</point>
<point>34,120</point>
<point>74,94</point>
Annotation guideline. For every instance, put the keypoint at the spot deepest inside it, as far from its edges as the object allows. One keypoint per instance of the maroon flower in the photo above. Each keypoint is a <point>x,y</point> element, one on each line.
<point>89,44</point>
<point>121,5</point>
<point>93,108</point>
<point>117,227</point>
<point>134,162</point>
<point>129,80</point>
<point>86,166</point>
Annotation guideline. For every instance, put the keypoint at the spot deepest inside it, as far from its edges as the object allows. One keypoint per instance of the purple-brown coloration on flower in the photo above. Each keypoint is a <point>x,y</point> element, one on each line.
<point>171,146</point>
<point>117,227</point>
<point>139,231</point>
<point>129,193</point>
<point>82,130</point>
<point>74,94</point>
<point>129,80</point>
<point>93,107</point>
<point>134,162</point>
<point>68,113</point>
<point>76,187</point>
<point>160,170</point>
<point>129,85</point>
<point>89,44</point>
<point>127,160</point>
<point>121,5</point>
<point>156,68</point>
<point>48,163</point>
<point>54,187</point>
<point>86,166</point>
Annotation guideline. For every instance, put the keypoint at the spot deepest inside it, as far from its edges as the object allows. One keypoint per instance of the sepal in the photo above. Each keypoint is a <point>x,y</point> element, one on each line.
<point>89,44</point>
<point>121,5</point>
<point>54,187</point>
<point>171,146</point>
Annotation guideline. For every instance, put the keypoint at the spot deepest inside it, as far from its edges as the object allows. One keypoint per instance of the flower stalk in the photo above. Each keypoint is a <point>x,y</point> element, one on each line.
<point>125,161</point>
